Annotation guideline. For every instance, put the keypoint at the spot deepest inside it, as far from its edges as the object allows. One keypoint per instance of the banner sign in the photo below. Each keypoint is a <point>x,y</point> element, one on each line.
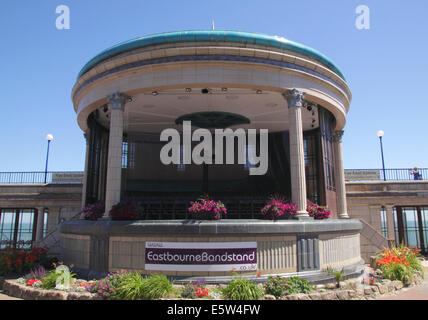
<point>67,177</point>
<point>361,175</point>
<point>201,256</point>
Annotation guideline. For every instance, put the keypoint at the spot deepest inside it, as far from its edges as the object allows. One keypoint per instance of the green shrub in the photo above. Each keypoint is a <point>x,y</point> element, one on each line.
<point>396,271</point>
<point>298,285</point>
<point>399,263</point>
<point>157,286</point>
<point>276,286</point>
<point>338,275</point>
<point>188,292</point>
<point>132,286</point>
<point>242,289</point>
<point>49,281</point>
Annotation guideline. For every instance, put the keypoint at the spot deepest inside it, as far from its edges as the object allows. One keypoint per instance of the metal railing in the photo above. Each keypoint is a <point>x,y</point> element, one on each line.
<point>41,177</point>
<point>384,174</point>
<point>76,177</point>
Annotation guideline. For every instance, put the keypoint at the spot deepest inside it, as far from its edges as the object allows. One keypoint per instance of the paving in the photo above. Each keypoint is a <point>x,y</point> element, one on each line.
<point>6,297</point>
<point>419,292</point>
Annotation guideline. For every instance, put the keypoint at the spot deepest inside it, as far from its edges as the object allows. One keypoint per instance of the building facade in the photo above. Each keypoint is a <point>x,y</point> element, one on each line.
<point>128,94</point>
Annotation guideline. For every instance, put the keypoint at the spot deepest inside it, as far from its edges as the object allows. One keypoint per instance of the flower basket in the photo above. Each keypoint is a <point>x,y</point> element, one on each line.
<point>93,211</point>
<point>207,209</point>
<point>317,212</point>
<point>278,208</point>
<point>124,210</point>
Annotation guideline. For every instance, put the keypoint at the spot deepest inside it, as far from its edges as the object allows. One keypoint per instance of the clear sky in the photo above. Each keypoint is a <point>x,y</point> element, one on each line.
<point>386,67</point>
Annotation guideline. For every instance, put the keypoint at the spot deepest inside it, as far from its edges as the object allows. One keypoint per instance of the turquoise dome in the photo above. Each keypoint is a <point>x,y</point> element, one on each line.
<point>214,36</point>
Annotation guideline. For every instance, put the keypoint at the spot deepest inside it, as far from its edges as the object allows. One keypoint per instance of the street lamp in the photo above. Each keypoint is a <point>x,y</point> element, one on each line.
<point>49,137</point>
<point>380,134</point>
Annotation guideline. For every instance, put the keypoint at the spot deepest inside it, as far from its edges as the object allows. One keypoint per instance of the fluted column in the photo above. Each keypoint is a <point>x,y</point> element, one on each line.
<point>114,162</point>
<point>297,156</point>
<point>342,211</point>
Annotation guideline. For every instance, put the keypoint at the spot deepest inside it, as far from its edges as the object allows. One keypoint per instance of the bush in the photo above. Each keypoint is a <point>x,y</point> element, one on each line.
<point>188,292</point>
<point>399,263</point>
<point>298,285</point>
<point>278,207</point>
<point>124,210</point>
<point>276,286</point>
<point>157,286</point>
<point>242,289</point>
<point>107,287</point>
<point>207,209</point>
<point>132,286</point>
<point>36,273</point>
<point>17,261</point>
<point>338,275</point>
<point>49,281</point>
<point>317,212</point>
<point>396,271</point>
<point>93,211</point>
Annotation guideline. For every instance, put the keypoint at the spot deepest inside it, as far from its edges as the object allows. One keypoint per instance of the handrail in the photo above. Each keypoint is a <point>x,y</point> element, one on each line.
<point>397,174</point>
<point>76,177</point>
<point>41,177</point>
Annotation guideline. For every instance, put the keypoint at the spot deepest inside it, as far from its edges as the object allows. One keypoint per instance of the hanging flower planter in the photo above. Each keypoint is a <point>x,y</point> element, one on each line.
<point>279,208</point>
<point>207,209</point>
<point>317,212</point>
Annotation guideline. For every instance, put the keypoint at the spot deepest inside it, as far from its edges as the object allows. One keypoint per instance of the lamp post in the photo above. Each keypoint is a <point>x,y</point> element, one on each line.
<point>49,137</point>
<point>380,134</point>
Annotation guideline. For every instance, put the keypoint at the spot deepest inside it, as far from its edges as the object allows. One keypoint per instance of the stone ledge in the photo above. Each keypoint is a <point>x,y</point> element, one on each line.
<point>200,227</point>
<point>17,290</point>
<point>370,292</point>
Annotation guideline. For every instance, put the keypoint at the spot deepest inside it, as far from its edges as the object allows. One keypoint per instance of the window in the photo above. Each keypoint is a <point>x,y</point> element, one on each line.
<point>327,125</point>
<point>124,155</point>
<point>250,156</point>
<point>383,222</point>
<point>181,166</point>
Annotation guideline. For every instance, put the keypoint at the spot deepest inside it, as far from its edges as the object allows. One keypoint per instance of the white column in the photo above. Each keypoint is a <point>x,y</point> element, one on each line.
<point>297,155</point>
<point>114,162</point>
<point>40,222</point>
<point>342,212</point>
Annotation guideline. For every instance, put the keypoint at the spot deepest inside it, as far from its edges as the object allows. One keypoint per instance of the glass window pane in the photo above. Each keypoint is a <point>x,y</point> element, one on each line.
<point>411,230</point>
<point>7,226</point>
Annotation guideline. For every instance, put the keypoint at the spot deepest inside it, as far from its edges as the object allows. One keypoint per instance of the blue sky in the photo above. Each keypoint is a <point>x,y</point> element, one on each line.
<point>386,67</point>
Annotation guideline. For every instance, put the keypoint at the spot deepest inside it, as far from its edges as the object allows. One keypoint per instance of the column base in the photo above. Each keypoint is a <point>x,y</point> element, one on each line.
<point>343,216</point>
<point>303,217</point>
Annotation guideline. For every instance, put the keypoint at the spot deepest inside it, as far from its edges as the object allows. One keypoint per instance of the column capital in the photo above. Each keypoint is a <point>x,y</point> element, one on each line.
<point>337,135</point>
<point>294,98</point>
<point>117,100</point>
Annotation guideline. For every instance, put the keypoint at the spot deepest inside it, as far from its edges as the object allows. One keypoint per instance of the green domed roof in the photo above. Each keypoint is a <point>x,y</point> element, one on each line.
<point>215,36</point>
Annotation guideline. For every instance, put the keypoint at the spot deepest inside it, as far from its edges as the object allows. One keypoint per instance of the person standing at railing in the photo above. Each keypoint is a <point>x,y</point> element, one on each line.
<point>416,174</point>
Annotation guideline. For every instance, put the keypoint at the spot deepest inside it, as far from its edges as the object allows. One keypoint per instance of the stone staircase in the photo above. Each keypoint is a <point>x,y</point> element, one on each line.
<point>52,241</point>
<point>371,241</point>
